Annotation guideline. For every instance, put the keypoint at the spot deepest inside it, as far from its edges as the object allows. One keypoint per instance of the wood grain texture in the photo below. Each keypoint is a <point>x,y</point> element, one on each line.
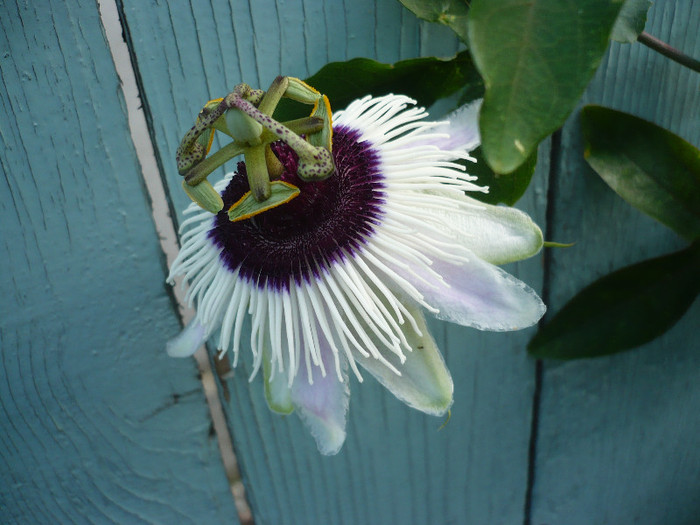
<point>396,466</point>
<point>618,435</point>
<point>97,424</point>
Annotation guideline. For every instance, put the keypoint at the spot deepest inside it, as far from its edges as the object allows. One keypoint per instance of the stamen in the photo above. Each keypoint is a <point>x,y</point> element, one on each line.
<point>325,328</point>
<point>290,324</point>
<point>312,345</point>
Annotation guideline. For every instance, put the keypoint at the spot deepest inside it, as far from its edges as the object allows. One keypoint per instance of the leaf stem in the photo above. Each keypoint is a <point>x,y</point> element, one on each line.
<point>671,52</point>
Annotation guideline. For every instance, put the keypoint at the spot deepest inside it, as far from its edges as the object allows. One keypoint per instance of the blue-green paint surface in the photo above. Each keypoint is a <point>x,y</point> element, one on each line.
<point>97,424</point>
<point>618,436</point>
<point>87,392</point>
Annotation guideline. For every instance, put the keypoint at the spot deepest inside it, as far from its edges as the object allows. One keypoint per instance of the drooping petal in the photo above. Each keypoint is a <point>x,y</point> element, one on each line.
<point>463,127</point>
<point>425,383</point>
<point>497,234</point>
<point>323,404</point>
<point>277,392</point>
<point>481,295</point>
<point>188,341</point>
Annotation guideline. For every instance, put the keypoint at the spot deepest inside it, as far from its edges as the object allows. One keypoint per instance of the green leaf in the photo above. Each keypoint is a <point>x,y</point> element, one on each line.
<point>536,59</point>
<point>424,79</point>
<point>280,193</point>
<point>623,310</point>
<point>631,20</point>
<point>648,166</point>
<point>505,189</point>
<point>451,13</point>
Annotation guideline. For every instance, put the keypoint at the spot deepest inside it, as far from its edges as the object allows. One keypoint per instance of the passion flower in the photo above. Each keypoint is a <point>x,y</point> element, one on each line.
<point>336,279</point>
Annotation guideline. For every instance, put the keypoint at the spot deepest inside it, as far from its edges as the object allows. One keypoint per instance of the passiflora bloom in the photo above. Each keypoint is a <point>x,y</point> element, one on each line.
<point>336,280</point>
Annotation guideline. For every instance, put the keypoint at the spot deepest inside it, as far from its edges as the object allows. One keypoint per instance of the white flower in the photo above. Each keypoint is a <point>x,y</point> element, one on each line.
<point>338,277</point>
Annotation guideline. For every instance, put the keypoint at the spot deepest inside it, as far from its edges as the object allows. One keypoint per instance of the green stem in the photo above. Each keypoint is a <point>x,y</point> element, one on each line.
<point>273,95</point>
<point>202,170</point>
<point>256,168</point>
<point>670,52</point>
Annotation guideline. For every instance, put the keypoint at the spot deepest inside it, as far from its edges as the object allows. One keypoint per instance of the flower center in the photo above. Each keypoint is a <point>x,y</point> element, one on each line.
<point>303,237</point>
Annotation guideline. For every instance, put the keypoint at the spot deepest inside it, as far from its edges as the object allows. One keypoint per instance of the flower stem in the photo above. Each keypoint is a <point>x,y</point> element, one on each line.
<point>256,168</point>
<point>670,52</point>
<point>273,95</point>
<point>202,170</point>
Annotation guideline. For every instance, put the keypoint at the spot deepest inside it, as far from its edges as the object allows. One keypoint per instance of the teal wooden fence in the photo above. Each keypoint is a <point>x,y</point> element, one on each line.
<point>97,425</point>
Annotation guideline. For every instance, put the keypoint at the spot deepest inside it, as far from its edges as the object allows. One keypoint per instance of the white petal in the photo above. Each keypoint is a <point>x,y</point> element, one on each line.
<point>188,341</point>
<point>425,383</point>
<point>483,296</point>
<point>323,404</point>
<point>463,127</point>
<point>497,234</point>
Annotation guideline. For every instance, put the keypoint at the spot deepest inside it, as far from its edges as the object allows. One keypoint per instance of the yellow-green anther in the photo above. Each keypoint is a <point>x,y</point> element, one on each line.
<point>210,106</point>
<point>246,207</point>
<point>205,196</point>
<point>190,151</point>
<point>323,138</point>
<point>256,168</point>
<point>274,95</point>
<point>301,92</point>
<point>205,140</point>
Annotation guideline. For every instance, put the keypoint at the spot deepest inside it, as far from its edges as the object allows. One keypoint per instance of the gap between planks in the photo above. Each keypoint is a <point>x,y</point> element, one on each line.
<point>168,239</point>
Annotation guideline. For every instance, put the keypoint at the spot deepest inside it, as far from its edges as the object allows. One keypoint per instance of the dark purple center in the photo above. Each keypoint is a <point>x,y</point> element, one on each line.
<point>306,235</point>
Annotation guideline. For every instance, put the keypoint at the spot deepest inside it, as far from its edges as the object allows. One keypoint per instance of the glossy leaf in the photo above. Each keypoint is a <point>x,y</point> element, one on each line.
<point>280,193</point>
<point>425,79</point>
<point>506,189</point>
<point>648,166</point>
<point>536,58</point>
<point>451,13</point>
<point>631,20</point>
<point>623,310</point>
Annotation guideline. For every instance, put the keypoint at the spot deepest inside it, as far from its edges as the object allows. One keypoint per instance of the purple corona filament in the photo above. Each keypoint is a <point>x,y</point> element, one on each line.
<point>301,238</point>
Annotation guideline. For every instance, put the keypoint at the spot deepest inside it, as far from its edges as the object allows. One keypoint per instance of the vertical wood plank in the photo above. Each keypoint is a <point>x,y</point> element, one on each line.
<point>97,424</point>
<point>396,466</point>
<point>618,435</point>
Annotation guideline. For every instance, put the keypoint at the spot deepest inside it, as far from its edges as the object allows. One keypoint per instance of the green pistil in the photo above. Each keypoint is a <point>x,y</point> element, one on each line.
<point>245,114</point>
<point>315,162</point>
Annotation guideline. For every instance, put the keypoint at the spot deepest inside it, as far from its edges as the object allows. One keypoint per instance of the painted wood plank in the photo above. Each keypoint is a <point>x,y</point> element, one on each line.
<point>396,467</point>
<point>97,424</point>
<point>618,435</point>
